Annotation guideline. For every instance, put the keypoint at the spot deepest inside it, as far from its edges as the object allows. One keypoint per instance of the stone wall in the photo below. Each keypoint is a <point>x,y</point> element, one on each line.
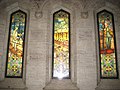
<point>38,46</point>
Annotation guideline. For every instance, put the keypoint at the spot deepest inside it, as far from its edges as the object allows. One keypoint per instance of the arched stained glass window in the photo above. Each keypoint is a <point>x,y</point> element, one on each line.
<point>107,45</point>
<point>15,53</point>
<point>61,45</point>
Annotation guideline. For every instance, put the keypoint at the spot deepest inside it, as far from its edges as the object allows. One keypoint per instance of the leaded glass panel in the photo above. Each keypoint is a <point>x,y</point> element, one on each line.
<point>61,45</point>
<point>15,52</point>
<point>108,62</point>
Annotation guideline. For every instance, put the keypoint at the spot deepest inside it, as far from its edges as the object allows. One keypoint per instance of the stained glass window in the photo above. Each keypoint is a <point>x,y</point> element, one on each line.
<point>61,45</point>
<point>107,51</point>
<point>15,53</point>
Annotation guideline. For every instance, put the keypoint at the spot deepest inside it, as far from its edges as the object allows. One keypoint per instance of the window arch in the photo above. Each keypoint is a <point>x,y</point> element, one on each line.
<point>61,45</point>
<point>107,45</point>
<point>16,40</point>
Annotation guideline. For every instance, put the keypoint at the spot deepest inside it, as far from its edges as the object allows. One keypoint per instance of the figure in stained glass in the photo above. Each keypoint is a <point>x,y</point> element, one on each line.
<point>107,45</point>
<point>16,44</point>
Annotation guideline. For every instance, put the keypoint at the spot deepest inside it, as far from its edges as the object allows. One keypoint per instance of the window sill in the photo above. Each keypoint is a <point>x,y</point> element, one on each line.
<point>65,84</point>
<point>12,83</point>
<point>108,84</point>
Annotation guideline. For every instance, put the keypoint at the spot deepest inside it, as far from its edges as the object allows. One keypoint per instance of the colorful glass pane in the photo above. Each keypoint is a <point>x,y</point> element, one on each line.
<point>61,45</point>
<point>16,43</point>
<point>107,45</point>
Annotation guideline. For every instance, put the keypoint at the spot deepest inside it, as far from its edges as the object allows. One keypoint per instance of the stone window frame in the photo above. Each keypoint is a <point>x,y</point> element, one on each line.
<point>104,10</point>
<point>14,82</point>
<point>73,61</point>
<point>103,83</point>
<point>67,83</point>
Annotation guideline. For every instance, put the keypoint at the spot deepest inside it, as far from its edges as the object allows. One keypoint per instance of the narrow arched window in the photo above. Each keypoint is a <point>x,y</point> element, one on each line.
<point>107,45</point>
<point>61,45</point>
<point>16,40</point>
